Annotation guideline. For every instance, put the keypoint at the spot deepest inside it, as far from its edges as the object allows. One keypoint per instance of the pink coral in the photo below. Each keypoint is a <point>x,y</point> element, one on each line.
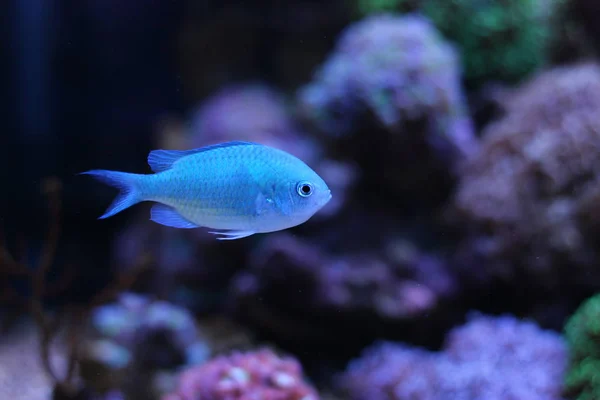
<point>245,376</point>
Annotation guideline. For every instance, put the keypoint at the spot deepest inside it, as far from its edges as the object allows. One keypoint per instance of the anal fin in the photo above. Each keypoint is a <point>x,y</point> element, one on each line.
<point>232,235</point>
<point>165,215</point>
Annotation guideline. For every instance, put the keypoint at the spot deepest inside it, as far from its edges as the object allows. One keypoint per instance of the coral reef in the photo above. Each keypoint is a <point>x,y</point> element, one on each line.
<point>389,98</point>
<point>504,42</point>
<point>259,374</point>
<point>492,358</point>
<point>462,178</point>
<point>527,203</point>
<point>311,295</point>
<point>582,333</point>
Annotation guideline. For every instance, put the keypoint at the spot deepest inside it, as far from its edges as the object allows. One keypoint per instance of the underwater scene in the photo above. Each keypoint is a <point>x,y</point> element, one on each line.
<point>300,200</point>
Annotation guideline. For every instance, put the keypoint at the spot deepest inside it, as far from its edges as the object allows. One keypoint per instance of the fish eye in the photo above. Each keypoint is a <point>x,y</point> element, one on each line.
<point>304,189</point>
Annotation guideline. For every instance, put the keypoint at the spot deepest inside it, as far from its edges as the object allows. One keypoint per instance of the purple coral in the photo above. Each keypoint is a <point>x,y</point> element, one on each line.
<point>491,358</point>
<point>389,371</point>
<point>298,283</point>
<point>399,69</point>
<point>259,374</point>
<point>528,201</point>
<point>502,358</point>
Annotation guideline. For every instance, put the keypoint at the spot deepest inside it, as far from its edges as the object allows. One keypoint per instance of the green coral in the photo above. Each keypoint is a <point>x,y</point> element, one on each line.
<point>499,40</point>
<point>582,332</point>
<point>582,383</point>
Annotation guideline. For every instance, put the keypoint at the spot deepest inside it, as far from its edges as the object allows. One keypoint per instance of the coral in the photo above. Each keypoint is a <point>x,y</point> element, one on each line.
<point>151,334</point>
<point>389,99</point>
<point>144,341</point>
<point>528,201</point>
<point>503,358</point>
<point>504,41</point>
<point>582,333</point>
<point>390,371</point>
<point>399,69</point>
<point>259,374</point>
<point>487,358</point>
<point>298,282</point>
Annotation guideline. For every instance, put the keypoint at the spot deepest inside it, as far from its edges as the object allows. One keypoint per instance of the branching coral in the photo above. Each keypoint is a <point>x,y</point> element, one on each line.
<point>258,374</point>
<point>528,200</point>
<point>492,358</point>
<point>582,332</point>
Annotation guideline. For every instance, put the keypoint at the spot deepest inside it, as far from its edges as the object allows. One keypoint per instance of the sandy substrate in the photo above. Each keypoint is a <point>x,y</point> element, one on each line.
<point>21,374</point>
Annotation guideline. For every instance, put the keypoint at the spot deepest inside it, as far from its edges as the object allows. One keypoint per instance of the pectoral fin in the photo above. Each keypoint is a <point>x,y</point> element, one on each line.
<point>165,215</point>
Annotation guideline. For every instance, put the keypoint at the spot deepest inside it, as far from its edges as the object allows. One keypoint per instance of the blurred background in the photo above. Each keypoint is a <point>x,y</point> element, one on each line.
<point>457,260</point>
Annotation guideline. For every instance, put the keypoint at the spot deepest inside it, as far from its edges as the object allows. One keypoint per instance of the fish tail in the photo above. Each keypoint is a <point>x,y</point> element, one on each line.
<point>125,182</point>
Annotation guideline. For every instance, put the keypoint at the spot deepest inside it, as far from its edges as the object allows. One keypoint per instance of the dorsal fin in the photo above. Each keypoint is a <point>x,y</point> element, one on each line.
<point>162,160</point>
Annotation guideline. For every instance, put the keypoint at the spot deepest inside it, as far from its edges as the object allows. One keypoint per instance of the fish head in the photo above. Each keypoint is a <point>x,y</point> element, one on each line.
<point>303,194</point>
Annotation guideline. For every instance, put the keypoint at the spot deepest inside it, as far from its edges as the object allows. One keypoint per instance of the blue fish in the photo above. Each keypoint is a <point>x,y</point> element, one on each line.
<point>235,188</point>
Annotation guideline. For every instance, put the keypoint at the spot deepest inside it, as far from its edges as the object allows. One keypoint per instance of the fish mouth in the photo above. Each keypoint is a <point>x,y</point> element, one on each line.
<point>329,195</point>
